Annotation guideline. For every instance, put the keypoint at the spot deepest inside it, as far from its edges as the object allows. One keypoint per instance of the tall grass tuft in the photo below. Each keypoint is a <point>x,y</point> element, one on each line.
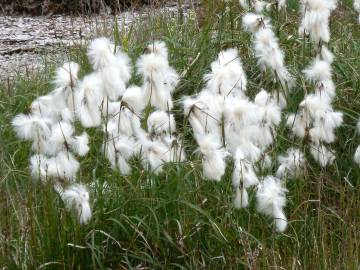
<point>175,219</point>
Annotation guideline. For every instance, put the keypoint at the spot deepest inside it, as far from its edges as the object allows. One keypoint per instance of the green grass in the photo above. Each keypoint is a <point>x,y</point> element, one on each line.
<point>177,219</point>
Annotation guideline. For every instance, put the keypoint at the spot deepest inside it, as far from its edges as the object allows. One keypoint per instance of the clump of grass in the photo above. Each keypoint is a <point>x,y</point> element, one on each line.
<point>180,220</point>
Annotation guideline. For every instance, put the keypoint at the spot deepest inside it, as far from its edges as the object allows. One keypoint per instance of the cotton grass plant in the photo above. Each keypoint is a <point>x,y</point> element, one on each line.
<point>227,123</point>
<point>316,119</point>
<point>137,120</point>
<point>143,162</point>
<point>102,98</point>
<point>50,128</point>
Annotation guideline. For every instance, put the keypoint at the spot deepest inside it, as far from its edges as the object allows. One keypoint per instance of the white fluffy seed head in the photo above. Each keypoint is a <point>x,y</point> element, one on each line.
<point>271,200</point>
<point>122,148</point>
<point>62,167</point>
<point>357,8</point>
<point>213,158</point>
<point>100,54</point>
<point>67,75</point>
<point>324,126</point>
<point>33,128</point>
<point>23,126</point>
<point>357,5</point>
<point>159,80</point>
<point>204,113</point>
<point>260,6</point>
<point>315,105</point>
<point>156,154</point>
<point>266,48</point>
<point>326,90</point>
<point>38,167</point>
<point>280,221</point>
<point>241,199</point>
<point>357,155</point>
<point>112,84</point>
<point>60,138</point>
<point>270,193</point>
<point>45,106</point>
<point>242,112</point>
<point>160,122</point>
<point>61,132</point>
<point>298,123</point>
<point>89,97</point>
<point>291,164</point>
<point>322,155</point>
<point>134,98</point>
<point>76,197</point>
<point>280,99</point>
<point>244,4</point>
<point>319,70</point>
<point>268,109</point>
<point>243,175</point>
<point>123,64</point>
<point>262,98</point>
<point>80,144</point>
<point>327,55</point>
<point>159,48</point>
<point>65,166</point>
<point>281,4</point>
<point>320,5</point>
<point>315,22</point>
<point>227,76</point>
<point>115,76</point>
<point>151,65</point>
<point>124,123</point>
<point>253,22</point>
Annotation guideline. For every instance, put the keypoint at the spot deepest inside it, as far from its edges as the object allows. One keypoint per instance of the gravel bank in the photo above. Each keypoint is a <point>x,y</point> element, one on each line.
<point>26,41</point>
